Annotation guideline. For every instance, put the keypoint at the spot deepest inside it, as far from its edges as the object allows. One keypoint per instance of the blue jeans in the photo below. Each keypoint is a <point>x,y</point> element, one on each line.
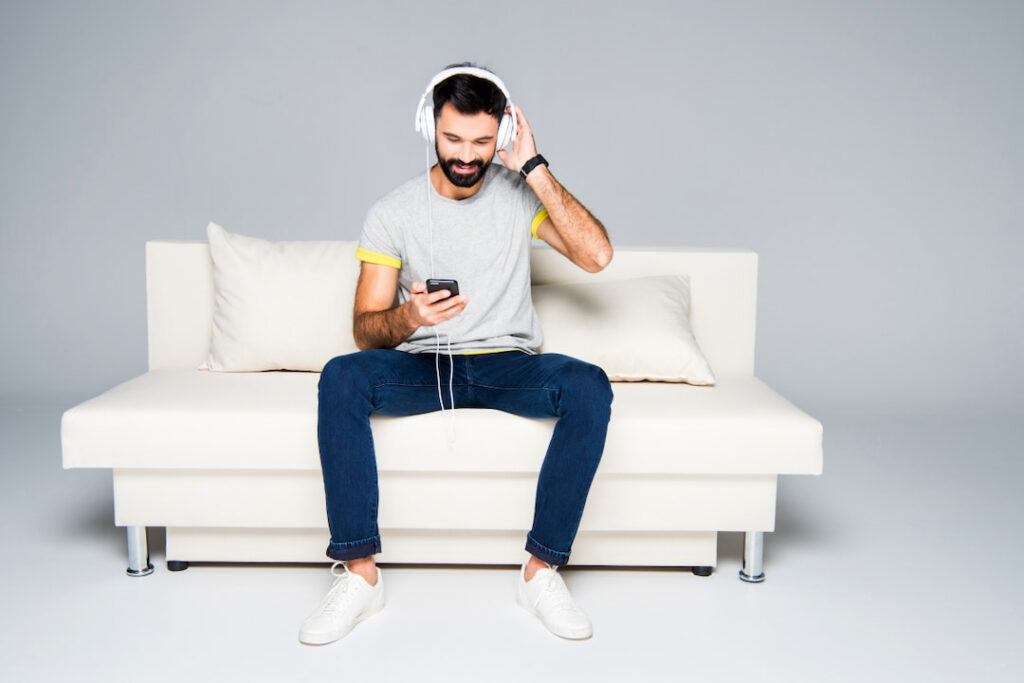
<point>390,382</point>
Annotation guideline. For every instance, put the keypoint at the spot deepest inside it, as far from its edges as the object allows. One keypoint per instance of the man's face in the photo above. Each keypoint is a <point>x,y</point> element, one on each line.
<point>465,145</point>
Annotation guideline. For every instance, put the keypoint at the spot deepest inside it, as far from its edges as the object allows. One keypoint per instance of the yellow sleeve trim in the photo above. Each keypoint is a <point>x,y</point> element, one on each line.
<point>541,216</point>
<point>379,259</point>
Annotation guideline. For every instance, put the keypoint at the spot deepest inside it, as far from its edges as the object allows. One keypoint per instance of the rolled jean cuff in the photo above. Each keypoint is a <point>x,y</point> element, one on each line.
<point>355,550</point>
<point>552,557</point>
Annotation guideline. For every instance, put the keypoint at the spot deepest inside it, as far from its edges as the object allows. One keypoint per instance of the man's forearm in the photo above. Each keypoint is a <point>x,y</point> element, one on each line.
<point>383,329</point>
<point>582,234</point>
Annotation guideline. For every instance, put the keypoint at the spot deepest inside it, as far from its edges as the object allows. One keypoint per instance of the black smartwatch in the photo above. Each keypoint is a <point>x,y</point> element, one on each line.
<point>532,164</point>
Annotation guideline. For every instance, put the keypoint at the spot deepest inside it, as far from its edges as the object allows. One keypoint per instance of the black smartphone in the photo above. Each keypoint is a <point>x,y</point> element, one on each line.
<point>437,284</point>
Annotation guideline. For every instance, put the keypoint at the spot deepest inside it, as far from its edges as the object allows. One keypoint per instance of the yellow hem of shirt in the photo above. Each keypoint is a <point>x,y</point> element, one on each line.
<point>477,353</point>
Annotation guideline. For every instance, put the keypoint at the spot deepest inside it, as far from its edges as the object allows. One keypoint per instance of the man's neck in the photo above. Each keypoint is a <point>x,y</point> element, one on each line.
<point>446,189</point>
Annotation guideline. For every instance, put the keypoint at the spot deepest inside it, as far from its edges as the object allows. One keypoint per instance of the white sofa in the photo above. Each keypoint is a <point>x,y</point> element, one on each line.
<point>228,462</point>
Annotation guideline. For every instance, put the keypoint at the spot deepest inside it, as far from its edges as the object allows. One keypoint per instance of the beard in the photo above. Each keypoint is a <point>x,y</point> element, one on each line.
<point>462,179</point>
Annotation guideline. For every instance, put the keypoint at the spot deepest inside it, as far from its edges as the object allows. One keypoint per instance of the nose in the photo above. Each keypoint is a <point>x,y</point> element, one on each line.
<point>466,153</point>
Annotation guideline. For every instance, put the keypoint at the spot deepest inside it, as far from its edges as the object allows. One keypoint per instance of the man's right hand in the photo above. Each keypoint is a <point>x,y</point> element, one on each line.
<point>427,309</point>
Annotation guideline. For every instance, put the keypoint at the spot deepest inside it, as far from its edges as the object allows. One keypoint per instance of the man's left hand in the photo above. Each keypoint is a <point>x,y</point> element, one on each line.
<point>523,146</point>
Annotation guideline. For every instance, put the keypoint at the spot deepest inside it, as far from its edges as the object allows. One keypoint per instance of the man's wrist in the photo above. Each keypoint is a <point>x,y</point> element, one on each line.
<point>384,329</point>
<point>407,320</point>
<point>531,164</point>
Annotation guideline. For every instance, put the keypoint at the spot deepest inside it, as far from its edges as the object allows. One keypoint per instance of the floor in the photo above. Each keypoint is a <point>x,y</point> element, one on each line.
<point>894,565</point>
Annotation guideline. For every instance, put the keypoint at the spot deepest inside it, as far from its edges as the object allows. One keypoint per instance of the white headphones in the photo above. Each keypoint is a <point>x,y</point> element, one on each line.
<point>425,111</point>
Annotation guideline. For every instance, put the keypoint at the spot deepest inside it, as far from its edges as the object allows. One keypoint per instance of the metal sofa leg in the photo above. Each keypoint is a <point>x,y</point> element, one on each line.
<point>138,552</point>
<point>753,557</point>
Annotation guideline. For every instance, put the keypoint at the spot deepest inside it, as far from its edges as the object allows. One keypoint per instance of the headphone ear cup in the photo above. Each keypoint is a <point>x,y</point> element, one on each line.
<point>427,122</point>
<point>504,131</point>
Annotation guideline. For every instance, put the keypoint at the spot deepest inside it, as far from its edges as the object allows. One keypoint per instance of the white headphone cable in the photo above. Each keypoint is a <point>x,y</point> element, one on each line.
<point>430,212</point>
<point>437,335</point>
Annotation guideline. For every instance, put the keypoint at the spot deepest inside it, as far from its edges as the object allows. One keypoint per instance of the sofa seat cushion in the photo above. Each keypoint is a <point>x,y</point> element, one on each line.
<point>182,418</point>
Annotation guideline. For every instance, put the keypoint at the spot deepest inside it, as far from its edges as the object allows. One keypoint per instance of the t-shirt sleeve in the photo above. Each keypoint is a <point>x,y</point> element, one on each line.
<point>377,243</point>
<point>537,211</point>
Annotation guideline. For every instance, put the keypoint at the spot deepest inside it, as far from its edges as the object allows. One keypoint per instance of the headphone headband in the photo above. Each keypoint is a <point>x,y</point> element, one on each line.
<point>425,111</point>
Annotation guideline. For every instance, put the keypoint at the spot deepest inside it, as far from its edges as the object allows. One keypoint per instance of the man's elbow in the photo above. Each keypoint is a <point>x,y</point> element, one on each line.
<point>366,341</point>
<point>600,259</point>
<point>360,341</point>
<point>363,340</point>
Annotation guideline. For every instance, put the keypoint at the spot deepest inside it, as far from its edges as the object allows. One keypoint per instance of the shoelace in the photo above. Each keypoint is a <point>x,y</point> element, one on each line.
<point>334,602</point>
<point>556,593</point>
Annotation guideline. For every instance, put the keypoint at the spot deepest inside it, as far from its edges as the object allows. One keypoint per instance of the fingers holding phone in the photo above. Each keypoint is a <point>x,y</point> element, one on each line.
<point>435,301</point>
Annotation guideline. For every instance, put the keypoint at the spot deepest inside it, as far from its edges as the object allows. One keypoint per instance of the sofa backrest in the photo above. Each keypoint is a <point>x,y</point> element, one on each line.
<point>723,307</point>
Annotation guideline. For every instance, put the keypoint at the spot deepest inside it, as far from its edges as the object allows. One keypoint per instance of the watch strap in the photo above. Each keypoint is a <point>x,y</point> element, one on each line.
<point>532,164</point>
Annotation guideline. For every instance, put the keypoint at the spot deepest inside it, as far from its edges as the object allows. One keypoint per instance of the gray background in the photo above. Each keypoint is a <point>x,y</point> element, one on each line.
<point>871,154</point>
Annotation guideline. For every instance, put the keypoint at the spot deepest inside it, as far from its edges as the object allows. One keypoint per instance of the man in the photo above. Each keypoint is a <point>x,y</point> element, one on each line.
<point>471,221</point>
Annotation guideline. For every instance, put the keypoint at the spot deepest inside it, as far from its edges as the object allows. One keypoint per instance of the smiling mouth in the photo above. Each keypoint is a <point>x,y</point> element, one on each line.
<point>465,168</point>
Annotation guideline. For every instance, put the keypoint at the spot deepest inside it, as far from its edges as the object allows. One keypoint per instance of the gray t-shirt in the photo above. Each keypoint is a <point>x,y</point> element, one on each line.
<point>482,241</point>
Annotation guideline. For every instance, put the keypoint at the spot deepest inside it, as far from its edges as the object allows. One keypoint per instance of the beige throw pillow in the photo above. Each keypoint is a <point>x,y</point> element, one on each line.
<point>635,329</point>
<point>279,305</point>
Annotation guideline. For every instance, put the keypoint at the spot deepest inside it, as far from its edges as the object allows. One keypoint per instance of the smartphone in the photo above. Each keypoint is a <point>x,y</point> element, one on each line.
<point>436,285</point>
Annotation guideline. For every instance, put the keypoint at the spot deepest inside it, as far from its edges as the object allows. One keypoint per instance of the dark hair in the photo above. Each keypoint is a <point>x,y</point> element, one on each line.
<point>469,94</point>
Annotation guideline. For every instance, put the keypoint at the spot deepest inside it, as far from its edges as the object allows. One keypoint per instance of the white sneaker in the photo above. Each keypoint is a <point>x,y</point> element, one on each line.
<point>350,600</point>
<point>547,597</point>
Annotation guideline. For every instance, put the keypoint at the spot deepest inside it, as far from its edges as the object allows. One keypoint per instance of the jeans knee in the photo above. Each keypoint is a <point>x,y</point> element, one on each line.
<point>589,383</point>
<point>340,373</point>
<point>593,379</point>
